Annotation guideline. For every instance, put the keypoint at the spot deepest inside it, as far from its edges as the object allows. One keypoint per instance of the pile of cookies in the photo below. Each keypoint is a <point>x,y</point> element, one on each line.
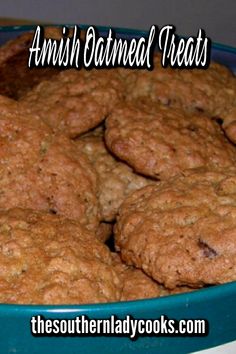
<point>115,184</point>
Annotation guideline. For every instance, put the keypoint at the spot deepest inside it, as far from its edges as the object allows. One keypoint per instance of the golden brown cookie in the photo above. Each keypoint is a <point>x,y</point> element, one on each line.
<point>136,285</point>
<point>76,101</point>
<point>16,78</point>
<point>182,231</point>
<point>116,180</point>
<point>43,171</point>
<point>229,124</point>
<point>47,259</point>
<point>104,231</point>
<point>161,141</point>
<point>212,91</point>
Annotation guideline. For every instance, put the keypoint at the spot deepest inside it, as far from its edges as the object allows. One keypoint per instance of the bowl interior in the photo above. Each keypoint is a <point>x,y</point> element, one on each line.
<point>216,304</point>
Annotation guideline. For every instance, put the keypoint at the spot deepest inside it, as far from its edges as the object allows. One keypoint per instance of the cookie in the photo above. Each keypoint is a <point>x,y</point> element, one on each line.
<point>212,91</point>
<point>43,171</point>
<point>76,101</point>
<point>116,180</point>
<point>16,78</point>
<point>47,259</point>
<point>136,285</point>
<point>104,231</point>
<point>160,141</point>
<point>229,124</point>
<point>182,231</point>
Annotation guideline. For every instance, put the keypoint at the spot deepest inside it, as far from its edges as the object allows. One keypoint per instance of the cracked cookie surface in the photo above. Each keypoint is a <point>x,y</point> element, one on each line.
<point>43,171</point>
<point>116,180</point>
<point>160,141</point>
<point>47,259</point>
<point>182,231</point>
<point>137,285</point>
<point>212,91</point>
<point>76,101</point>
<point>16,77</point>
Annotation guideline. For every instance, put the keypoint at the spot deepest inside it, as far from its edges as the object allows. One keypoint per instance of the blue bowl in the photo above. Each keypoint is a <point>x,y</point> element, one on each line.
<point>215,304</point>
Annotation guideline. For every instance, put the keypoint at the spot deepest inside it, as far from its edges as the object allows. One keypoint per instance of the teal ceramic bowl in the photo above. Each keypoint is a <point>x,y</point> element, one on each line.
<point>216,304</point>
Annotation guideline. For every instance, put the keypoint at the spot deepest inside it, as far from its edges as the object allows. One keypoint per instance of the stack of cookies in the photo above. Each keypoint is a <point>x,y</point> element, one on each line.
<point>115,184</point>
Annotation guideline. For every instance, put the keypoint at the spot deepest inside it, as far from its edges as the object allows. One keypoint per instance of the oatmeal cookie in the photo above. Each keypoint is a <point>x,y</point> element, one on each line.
<point>104,231</point>
<point>182,231</point>
<point>43,171</point>
<point>16,78</point>
<point>116,180</point>
<point>47,259</point>
<point>136,285</point>
<point>229,124</point>
<point>160,141</point>
<point>212,91</point>
<point>76,101</point>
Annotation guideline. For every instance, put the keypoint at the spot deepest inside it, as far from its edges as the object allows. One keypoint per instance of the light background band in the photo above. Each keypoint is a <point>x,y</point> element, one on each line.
<point>217,17</point>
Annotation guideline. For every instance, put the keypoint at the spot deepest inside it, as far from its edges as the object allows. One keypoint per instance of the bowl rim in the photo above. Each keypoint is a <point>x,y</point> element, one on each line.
<point>170,301</point>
